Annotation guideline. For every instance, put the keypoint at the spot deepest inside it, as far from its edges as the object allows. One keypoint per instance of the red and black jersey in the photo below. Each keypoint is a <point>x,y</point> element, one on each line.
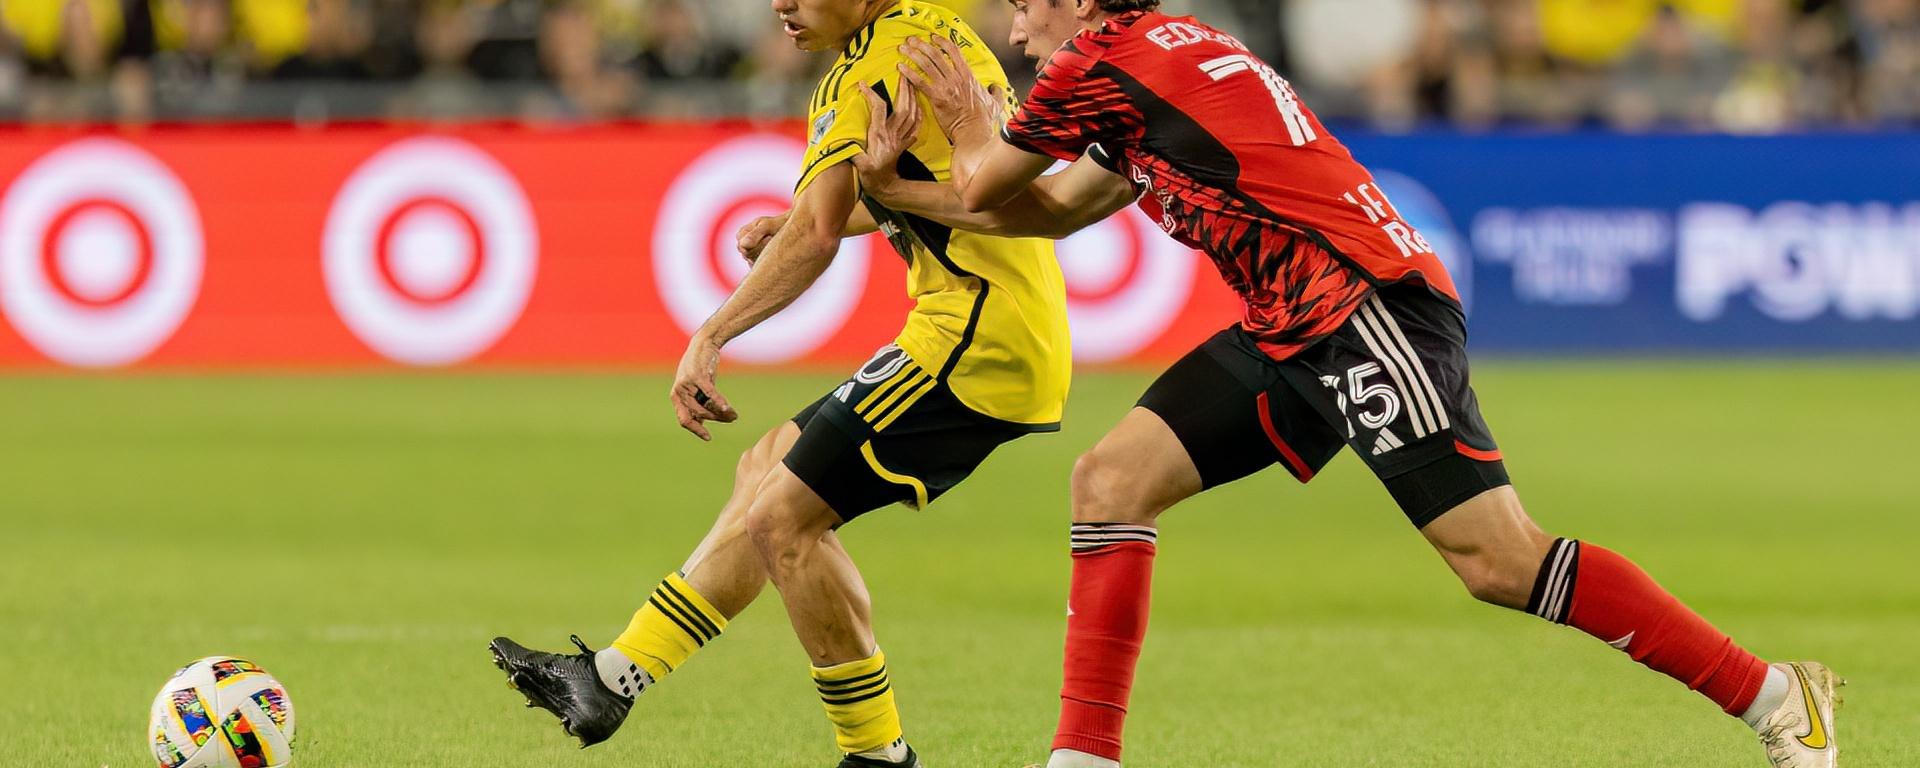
<point>1231,163</point>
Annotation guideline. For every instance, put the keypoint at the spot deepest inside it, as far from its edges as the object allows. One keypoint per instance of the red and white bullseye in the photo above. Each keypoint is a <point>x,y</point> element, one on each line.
<point>101,253</point>
<point>97,253</point>
<point>431,251</point>
<point>1126,284</point>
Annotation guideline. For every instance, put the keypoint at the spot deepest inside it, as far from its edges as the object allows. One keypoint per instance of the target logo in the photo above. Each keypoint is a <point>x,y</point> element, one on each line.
<point>101,253</point>
<point>1126,284</point>
<point>430,251</point>
<point>696,265</point>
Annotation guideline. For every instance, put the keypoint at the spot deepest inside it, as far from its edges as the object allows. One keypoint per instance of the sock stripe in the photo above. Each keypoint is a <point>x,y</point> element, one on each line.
<point>1563,588</point>
<point>677,621</point>
<point>1081,546</point>
<point>1553,590</point>
<point>1554,577</point>
<point>857,680</point>
<point>857,699</point>
<point>698,615</point>
<point>1084,537</point>
<point>855,690</point>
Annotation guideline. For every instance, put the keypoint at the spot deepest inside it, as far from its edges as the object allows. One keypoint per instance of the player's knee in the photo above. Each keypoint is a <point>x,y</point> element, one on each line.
<point>773,534</point>
<point>1104,492</point>
<point>1494,579</point>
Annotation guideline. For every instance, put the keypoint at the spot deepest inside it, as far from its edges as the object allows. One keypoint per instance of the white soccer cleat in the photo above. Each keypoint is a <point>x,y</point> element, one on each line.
<point>1799,733</point>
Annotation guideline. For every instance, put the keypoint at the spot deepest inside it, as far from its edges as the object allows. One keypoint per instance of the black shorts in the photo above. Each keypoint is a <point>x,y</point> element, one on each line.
<point>1391,383</point>
<point>894,433</point>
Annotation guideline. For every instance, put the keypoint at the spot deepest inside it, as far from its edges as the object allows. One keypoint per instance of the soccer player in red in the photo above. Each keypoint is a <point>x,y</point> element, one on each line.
<point>1352,335</point>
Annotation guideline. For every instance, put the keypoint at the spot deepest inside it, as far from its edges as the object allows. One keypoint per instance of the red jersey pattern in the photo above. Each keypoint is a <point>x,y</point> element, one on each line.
<point>1230,163</point>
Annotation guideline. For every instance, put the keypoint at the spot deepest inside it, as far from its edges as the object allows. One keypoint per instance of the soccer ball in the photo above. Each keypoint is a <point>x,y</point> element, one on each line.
<point>222,712</point>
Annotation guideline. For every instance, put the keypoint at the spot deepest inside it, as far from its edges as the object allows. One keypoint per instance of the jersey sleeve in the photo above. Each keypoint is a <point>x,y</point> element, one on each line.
<point>837,130</point>
<point>1072,107</point>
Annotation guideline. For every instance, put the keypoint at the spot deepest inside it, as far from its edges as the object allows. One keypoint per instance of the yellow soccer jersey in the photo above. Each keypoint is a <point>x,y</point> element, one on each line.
<point>990,313</point>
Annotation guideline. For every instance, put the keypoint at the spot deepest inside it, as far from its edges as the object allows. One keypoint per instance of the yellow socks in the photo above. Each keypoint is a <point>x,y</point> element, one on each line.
<point>675,622</point>
<point>859,701</point>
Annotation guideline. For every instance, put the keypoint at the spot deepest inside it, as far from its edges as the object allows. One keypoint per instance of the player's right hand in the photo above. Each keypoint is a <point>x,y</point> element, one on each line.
<point>695,398</point>
<point>753,237</point>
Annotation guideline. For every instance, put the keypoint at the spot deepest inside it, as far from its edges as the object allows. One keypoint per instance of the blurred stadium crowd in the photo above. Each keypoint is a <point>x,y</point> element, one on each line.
<point>1728,65</point>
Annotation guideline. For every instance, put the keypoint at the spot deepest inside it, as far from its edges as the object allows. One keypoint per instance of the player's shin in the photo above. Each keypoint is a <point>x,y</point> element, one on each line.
<point>1605,595</point>
<point>1106,625</point>
<point>675,623</point>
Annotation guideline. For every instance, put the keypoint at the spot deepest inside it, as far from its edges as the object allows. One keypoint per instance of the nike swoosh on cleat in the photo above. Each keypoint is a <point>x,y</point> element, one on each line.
<point>1816,736</point>
<point>1622,643</point>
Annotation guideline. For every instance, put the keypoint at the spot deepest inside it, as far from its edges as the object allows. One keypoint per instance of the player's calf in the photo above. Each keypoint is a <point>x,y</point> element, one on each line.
<point>1493,547</point>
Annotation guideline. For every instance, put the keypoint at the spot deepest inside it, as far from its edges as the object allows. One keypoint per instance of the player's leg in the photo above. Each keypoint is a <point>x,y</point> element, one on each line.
<point>1134,473</point>
<point>894,434</point>
<point>691,607</point>
<point>1209,420</point>
<point>831,613</point>
<point>1437,458</point>
<point>1506,560</point>
<point>592,692</point>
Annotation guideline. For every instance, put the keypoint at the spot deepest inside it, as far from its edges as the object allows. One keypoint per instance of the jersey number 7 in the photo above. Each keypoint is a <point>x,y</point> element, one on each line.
<point>1298,128</point>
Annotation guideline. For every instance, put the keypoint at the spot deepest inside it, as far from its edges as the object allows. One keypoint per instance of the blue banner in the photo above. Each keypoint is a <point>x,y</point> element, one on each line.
<point>1589,243</point>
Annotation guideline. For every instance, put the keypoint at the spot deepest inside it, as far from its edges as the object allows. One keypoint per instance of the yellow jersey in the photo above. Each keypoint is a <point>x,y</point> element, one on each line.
<point>990,313</point>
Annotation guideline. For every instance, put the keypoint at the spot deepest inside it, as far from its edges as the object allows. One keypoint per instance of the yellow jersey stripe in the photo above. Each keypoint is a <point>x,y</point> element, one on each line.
<point>844,151</point>
<point>874,414</point>
<point>919,488</point>
<point>891,381</point>
<point>905,404</point>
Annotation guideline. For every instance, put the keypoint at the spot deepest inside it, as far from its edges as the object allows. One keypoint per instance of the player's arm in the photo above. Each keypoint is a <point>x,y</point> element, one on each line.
<point>796,257</point>
<point>1054,206</point>
<point>754,236</point>
<point>987,172</point>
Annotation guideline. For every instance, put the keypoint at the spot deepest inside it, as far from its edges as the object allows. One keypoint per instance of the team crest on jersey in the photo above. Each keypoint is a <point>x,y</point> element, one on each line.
<point>821,125</point>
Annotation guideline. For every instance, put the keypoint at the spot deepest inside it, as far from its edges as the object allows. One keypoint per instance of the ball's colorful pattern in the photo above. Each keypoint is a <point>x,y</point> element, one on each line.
<point>233,698</point>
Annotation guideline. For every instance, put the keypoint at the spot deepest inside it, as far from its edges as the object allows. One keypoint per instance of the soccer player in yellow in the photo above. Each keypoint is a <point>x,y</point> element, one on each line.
<point>983,359</point>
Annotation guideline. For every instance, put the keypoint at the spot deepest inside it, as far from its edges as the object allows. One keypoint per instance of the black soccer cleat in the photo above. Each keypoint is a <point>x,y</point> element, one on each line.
<point>569,686</point>
<point>856,761</point>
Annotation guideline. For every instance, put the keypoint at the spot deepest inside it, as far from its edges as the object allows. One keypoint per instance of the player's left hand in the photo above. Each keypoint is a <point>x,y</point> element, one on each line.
<point>941,72</point>
<point>695,398</point>
<point>887,138</point>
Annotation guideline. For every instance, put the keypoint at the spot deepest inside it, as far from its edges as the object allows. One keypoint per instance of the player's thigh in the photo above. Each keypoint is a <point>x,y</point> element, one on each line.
<point>765,454</point>
<point>1219,414</point>
<point>1394,379</point>
<point>894,434</point>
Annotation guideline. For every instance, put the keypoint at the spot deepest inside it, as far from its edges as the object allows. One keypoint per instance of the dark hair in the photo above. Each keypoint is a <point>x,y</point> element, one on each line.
<point>1122,6</point>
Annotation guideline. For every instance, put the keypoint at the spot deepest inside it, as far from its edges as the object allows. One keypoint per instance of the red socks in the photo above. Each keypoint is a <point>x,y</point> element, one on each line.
<point>1106,623</point>
<point>1607,596</point>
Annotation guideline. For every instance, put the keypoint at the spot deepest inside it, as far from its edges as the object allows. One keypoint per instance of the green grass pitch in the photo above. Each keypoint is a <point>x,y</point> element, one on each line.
<point>363,537</point>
